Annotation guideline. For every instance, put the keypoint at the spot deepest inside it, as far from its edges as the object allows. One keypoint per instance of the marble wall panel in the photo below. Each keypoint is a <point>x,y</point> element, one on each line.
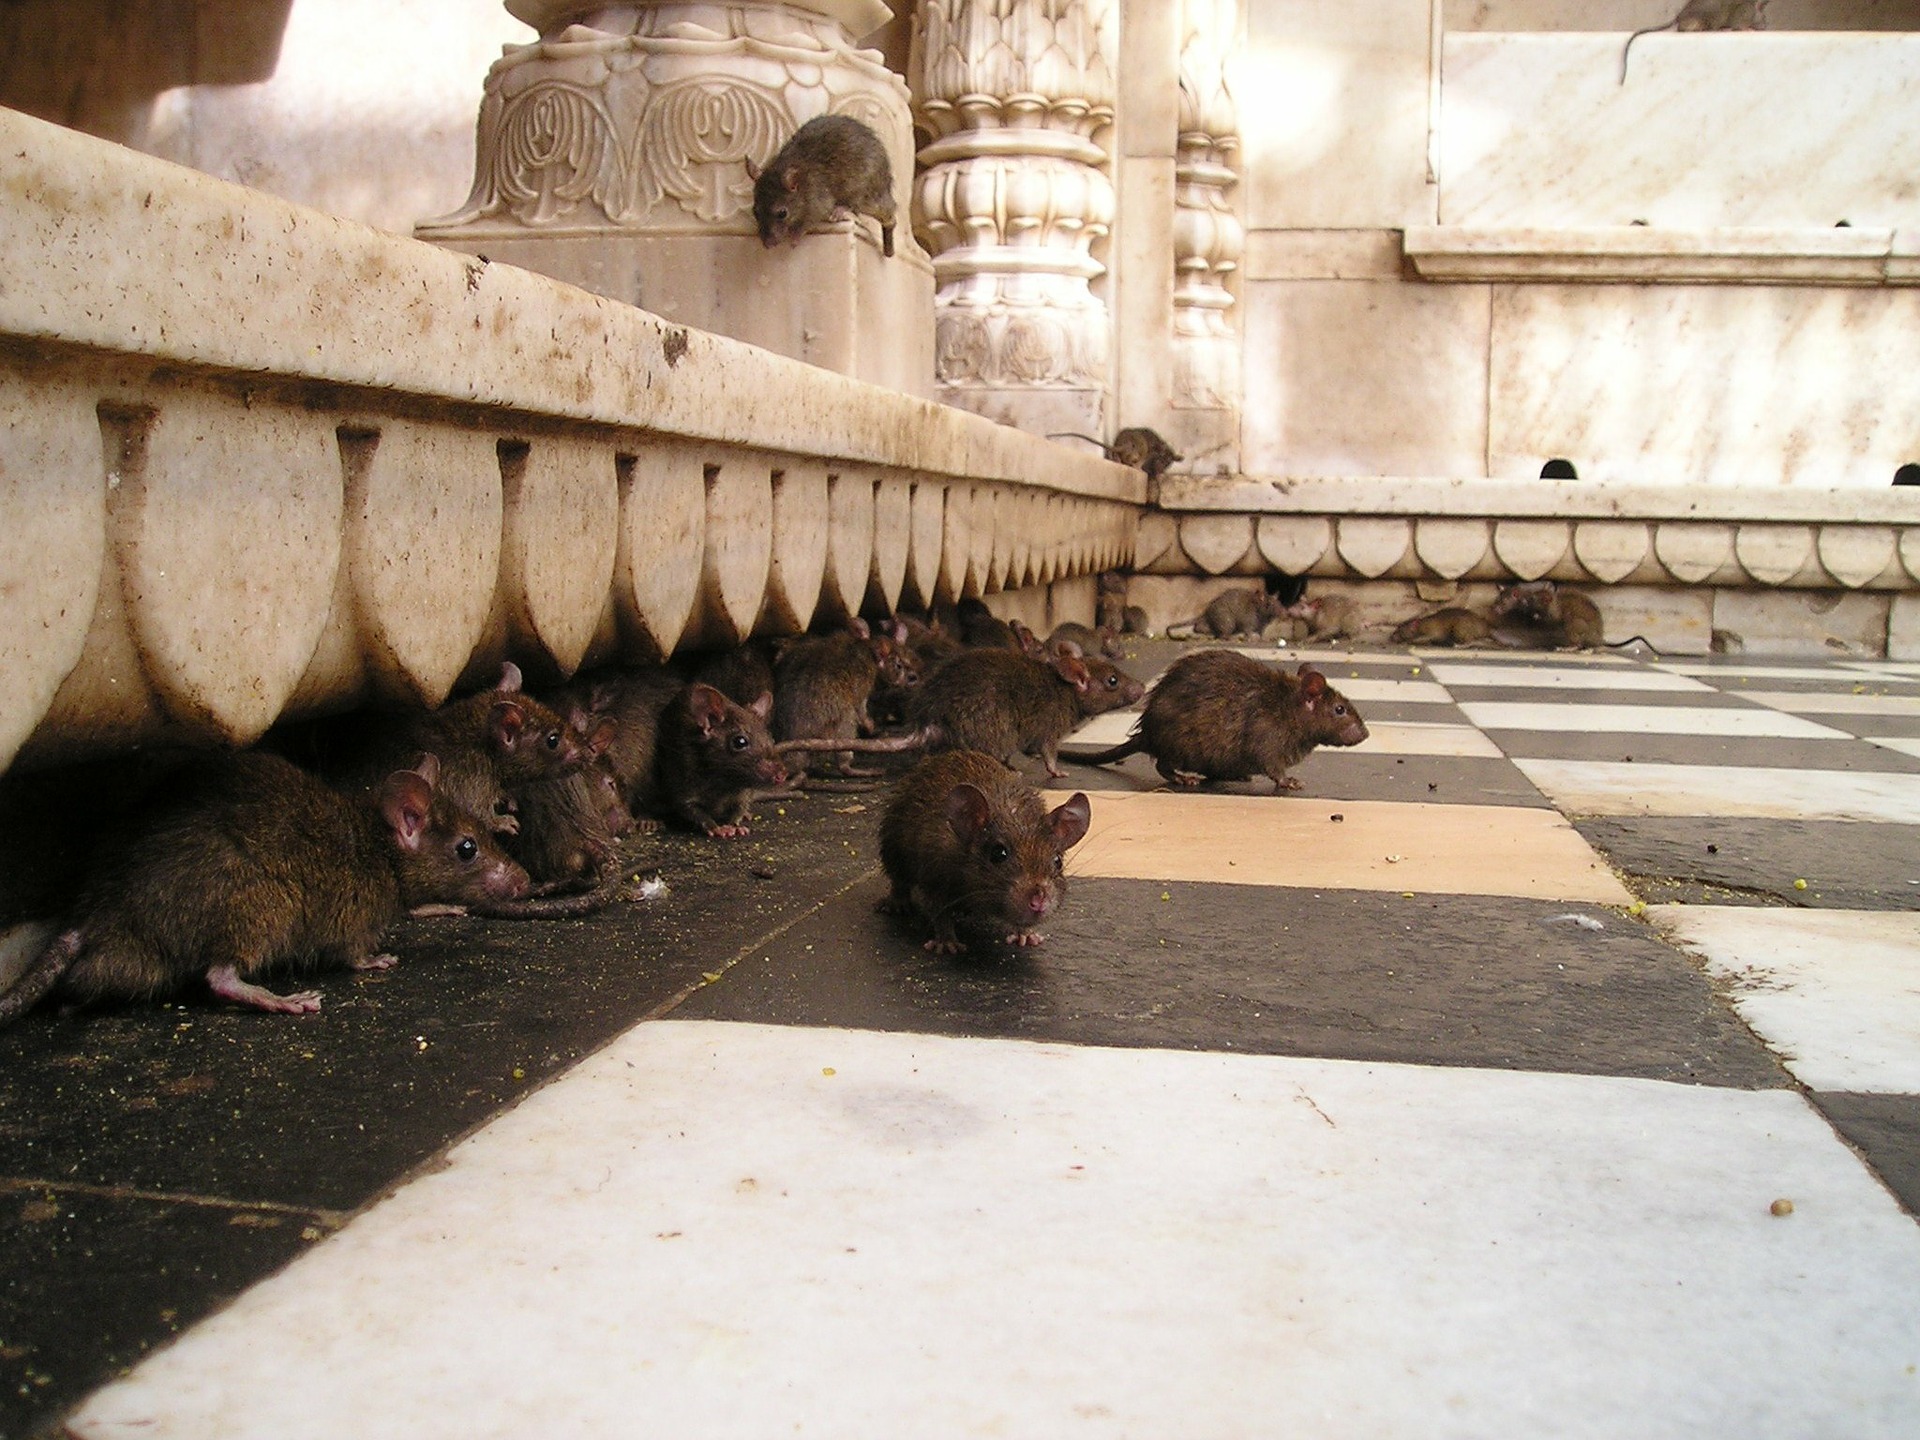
<point>1801,622</point>
<point>1800,129</point>
<point>1717,385</point>
<point>1365,378</point>
<point>1334,104</point>
<point>1633,14</point>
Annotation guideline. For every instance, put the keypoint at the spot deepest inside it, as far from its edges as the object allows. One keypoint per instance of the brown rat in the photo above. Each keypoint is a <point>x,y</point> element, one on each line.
<point>245,864</point>
<point>1540,615</point>
<point>1698,15</point>
<point>710,756</point>
<point>1244,611</point>
<point>980,628</point>
<point>1103,641</point>
<point>1110,601</point>
<point>570,824</point>
<point>1220,715</point>
<point>1327,617</point>
<point>832,167</point>
<point>1138,446</point>
<point>1005,704</point>
<point>743,674</point>
<point>969,845</point>
<point>487,743</point>
<point>1455,625</point>
<point>823,684</point>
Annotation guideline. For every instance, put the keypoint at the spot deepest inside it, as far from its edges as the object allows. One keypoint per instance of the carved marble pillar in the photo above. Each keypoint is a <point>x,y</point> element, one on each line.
<point>613,153</point>
<point>1018,96</point>
<point>1207,238</point>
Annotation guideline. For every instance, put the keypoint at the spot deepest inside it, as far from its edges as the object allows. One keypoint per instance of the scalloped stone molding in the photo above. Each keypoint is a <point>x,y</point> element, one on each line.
<point>256,462</point>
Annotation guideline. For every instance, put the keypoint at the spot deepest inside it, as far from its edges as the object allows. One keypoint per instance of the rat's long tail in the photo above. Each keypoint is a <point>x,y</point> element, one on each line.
<point>41,976</point>
<point>1132,745</point>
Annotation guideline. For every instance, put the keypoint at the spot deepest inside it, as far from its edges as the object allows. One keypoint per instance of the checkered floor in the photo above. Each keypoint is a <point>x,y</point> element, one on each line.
<point>1549,1064</point>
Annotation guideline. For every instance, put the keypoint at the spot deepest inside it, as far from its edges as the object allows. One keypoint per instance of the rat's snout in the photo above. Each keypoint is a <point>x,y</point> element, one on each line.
<point>771,771</point>
<point>1354,733</point>
<point>1133,690</point>
<point>1039,900</point>
<point>506,881</point>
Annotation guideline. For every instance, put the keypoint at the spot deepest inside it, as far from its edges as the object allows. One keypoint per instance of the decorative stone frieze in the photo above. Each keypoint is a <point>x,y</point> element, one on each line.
<point>618,153</point>
<point>286,464</point>
<point>1447,531</point>
<point>1018,96</point>
<point>1207,235</point>
<point>645,115</point>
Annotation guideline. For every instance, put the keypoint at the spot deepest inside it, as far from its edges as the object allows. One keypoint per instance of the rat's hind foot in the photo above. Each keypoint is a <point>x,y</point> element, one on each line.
<point>1024,939</point>
<point>373,962</point>
<point>225,982</point>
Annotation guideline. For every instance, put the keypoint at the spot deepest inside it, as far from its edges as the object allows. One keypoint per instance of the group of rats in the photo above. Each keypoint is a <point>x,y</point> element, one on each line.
<point>305,851</point>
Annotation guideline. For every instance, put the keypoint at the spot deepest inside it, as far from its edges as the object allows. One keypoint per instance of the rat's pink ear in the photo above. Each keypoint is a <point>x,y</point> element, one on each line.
<point>762,704</point>
<point>753,168</point>
<point>1073,670</point>
<point>1069,822</point>
<point>427,767</point>
<point>509,719</point>
<point>790,178</point>
<point>859,627</point>
<point>1312,683</point>
<point>708,706</point>
<point>510,677</point>
<point>967,812</point>
<point>406,803</point>
<point>600,739</point>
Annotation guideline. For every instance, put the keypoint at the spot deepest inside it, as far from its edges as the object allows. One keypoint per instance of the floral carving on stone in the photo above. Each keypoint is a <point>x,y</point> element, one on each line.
<point>648,117</point>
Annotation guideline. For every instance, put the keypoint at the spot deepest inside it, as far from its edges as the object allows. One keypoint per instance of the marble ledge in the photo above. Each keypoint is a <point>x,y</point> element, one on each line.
<point>1545,499</point>
<point>117,254</point>
<point>1644,255</point>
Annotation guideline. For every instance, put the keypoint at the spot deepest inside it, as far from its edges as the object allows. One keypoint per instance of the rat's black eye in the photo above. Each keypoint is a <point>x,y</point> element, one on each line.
<point>1113,682</point>
<point>739,740</point>
<point>466,849</point>
<point>1059,864</point>
<point>1339,709</point>
<point>998,853</point>
<point>553,740</point>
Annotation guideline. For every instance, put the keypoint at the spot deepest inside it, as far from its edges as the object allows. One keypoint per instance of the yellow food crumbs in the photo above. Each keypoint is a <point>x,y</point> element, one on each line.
<point>1799,884</point>
<point>827,1070</point>
<point>710,976</point>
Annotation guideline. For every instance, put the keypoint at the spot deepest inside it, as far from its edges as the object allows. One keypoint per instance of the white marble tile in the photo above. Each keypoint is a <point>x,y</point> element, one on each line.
<point>715,1230</point>
<point>1905,744</point>
<point>1644,719</point>
<point>1436,654</point>
<point>1807,702</point>
<point>1836,993</point>
<point>1591,787</point>
<point>1728,129</point>
<point>1739,672</point>
<point>1423,737</point>
<point>1559,677</point>
<point>1903,668</point>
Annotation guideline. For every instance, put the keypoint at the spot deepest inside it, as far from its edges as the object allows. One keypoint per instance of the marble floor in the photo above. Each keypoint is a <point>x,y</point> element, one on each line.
<point>1549,1064</point>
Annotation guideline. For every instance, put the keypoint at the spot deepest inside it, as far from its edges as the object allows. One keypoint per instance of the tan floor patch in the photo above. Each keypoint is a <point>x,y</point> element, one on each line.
<point>1375,845</point>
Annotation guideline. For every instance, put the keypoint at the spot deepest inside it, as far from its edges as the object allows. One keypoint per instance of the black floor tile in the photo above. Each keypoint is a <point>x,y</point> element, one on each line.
<point>1740,752</point>
<point>1885,1129</point>
<point>95,1282</point>
<point>1336,775</point>
<point>1432,980</point>
<point>1732,860</point>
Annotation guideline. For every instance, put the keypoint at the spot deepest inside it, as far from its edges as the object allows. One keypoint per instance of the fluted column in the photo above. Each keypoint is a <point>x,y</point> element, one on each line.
<point>1207,235</point>
<point>1016,196</point>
